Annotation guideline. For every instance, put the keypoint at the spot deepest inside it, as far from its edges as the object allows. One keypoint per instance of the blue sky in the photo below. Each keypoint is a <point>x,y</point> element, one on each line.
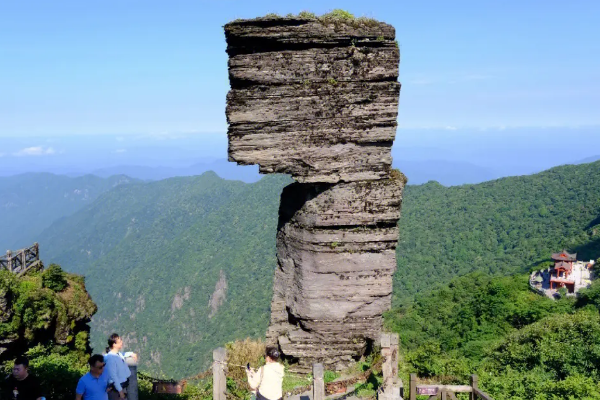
<point>160,67</point>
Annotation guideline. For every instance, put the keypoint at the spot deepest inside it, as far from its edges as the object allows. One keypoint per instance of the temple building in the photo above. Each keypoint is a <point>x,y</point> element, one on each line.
<point>562,273</point>
<point>567,273</point>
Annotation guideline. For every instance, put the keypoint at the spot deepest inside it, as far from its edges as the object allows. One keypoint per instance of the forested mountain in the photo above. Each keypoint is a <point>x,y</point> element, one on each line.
<point>29,203</point>
<point>187,263</point>
<point>522,345</point>
<point>222,167</point>
<point>500,227</point>
<point>178,266</point>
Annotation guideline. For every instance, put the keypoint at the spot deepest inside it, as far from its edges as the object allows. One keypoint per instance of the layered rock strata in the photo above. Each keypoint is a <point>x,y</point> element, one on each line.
<point>318,99</point>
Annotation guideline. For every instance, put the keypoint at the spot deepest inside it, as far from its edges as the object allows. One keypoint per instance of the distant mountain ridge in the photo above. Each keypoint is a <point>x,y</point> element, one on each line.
<point>589,159</point>
<point>448,173</point>
<point>157,255</point>
<point>221,167</point>
<point>30,202</point>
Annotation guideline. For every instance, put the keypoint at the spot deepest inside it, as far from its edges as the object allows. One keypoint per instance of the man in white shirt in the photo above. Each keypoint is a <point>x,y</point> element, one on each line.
<point>116,368</point>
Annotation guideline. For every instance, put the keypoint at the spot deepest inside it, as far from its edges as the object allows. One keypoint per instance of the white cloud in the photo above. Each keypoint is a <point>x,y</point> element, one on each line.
<point>120,139</point>
<point>35,151</point>
<point>118,151</point>
<point>450,128</point>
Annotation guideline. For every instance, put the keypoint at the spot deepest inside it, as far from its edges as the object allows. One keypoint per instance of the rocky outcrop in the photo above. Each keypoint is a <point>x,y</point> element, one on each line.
<point>318,99</point>
<point>313,99</point>
<point>34,313</point>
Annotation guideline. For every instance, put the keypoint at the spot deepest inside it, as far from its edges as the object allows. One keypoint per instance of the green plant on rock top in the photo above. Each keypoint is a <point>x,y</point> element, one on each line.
<point>332,81</point>
<point>54,278</point>
<point>307,15</point>
<point>338,14</point>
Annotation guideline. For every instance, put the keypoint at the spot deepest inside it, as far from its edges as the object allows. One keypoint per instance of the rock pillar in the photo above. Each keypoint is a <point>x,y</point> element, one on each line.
<point>318,99</point>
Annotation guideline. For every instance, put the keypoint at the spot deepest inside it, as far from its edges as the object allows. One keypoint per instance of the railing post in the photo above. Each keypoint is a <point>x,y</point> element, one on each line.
<point>391,382</point>
<point>474,385</point>
<point>9,260</point>
<point>318,382</point>
<point>24,260</point>
<point>413,387</point>
<point>444,394</point>
<point>132,389</point>
<point>219,380</point>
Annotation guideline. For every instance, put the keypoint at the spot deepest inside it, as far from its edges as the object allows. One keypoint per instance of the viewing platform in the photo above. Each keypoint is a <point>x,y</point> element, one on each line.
<point>21,261</point>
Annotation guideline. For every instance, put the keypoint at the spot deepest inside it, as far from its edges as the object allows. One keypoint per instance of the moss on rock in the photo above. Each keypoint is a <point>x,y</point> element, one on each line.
<point>41,308</point>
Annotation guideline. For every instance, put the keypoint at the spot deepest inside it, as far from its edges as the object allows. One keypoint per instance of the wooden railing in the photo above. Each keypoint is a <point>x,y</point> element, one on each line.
<point>391,388</point>
<point>21,260</point>
<point>446,392</point>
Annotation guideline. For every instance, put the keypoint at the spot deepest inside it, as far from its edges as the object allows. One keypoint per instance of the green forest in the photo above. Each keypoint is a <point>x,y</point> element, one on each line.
<point>502,227</point>
<point>180,266</point>
<point>153,252</point>
<point>522,345</point>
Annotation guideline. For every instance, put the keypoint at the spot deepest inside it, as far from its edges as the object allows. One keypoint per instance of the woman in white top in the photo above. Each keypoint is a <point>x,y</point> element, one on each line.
<point>116,368</point>
<point>267,380</point>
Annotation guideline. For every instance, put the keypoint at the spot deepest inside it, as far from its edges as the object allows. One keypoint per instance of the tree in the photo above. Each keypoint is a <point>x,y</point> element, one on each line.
<point>54,278</point>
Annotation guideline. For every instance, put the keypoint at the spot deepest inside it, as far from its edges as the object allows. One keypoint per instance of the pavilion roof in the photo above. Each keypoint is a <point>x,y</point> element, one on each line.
<point>563,265</point>
<point>564,256</point>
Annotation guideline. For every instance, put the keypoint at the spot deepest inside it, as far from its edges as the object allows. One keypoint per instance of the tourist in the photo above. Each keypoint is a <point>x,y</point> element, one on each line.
<point>116,367</point>
<point>21,385</point>
<point>268,379</point>
<point>94,384</point>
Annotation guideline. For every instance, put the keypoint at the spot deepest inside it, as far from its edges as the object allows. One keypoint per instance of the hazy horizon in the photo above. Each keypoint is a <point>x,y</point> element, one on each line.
<point>469,156</point>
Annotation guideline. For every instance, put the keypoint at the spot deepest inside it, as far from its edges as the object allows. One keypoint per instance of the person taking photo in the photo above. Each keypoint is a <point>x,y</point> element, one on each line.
<point>268,379</point>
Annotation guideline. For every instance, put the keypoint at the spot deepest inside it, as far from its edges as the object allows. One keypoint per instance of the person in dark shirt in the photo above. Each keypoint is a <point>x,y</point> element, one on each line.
<point>21,385</point>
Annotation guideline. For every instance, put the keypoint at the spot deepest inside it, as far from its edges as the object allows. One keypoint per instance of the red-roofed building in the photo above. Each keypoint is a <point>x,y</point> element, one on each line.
<point>561,273</point>
<point>564,256</point>
<point>567,273</point>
